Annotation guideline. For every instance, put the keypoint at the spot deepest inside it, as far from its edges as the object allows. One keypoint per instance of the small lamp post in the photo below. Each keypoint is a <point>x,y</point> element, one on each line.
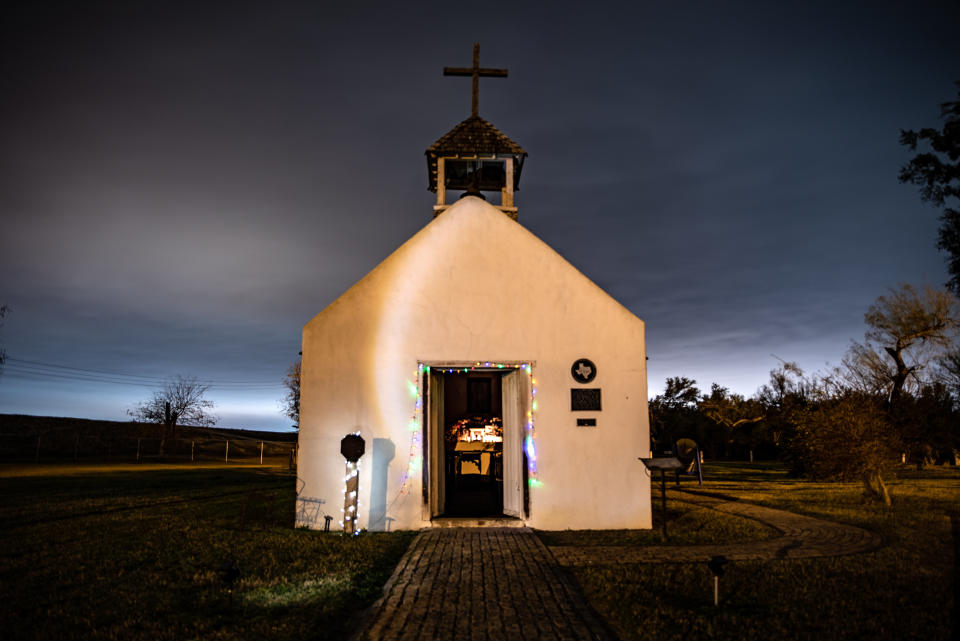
<point>352,447</point>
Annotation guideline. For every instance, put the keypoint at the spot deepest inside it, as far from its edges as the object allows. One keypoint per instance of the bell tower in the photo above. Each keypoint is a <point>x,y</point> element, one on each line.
<point>475,157</point>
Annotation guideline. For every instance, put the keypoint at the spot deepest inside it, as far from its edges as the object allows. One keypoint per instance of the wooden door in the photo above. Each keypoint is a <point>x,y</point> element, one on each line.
<point>513,433</point>
<point>435,421</point>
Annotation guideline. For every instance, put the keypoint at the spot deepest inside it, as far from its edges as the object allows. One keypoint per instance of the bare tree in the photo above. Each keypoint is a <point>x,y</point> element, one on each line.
<point>181,401</point>
<point>907,330</point>
<point>3,353</point>
<point>949,373</point>
<point>786,381</point>
<point>291,402</point>
<point>730,410</point>
<point>735,418</point>
<point>781,399</point>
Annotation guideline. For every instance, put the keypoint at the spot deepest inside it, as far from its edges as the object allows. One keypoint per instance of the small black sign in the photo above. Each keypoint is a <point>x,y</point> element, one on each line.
<point>585,400</point>
<point>352,447</point>
<point>586,422</point>
<point>583,370</point>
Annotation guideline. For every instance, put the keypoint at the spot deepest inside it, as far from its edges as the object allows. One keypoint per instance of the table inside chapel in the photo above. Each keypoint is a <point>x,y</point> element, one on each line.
<point>475,458</point>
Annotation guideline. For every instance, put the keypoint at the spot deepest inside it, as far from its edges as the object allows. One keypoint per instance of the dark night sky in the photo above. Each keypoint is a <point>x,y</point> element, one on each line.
<point>183,187</point>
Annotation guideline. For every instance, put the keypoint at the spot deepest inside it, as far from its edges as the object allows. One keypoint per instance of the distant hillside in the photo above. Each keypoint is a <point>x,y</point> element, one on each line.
<point>23,424</point>
<point>24,437</point>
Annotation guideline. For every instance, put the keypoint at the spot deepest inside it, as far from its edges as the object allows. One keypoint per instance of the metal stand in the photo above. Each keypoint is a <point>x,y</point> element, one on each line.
<point>671,464</point>
<point>663,505</point>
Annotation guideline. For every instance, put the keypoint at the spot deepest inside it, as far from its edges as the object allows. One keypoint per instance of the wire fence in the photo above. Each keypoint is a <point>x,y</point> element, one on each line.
<point>66,445</point>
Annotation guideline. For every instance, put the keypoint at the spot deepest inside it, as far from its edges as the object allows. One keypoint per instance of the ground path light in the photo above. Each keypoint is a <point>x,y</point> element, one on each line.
<point>230,574</point>
<point>716,566</point>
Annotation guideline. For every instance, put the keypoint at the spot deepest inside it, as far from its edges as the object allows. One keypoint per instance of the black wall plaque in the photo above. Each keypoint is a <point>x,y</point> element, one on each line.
<point>585,400</point>
<point>586,422</point>
<point>583,370</point>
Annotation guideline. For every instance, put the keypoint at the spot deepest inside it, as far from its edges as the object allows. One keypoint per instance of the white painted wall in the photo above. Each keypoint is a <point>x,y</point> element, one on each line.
<point>474,285</point>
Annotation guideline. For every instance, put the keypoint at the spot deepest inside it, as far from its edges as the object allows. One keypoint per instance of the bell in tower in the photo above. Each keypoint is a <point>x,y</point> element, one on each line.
<point>475,157</point>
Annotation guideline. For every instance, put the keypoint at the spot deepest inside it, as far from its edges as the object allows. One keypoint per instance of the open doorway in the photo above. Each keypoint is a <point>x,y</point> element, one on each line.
<point>474,439</point>
<point>473,444</point>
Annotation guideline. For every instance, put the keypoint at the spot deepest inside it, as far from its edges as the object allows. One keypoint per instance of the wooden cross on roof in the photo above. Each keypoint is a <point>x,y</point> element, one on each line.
<point>475,72</point>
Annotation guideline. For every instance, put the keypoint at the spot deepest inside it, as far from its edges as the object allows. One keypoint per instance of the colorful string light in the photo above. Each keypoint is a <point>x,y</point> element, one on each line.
<point>531,436</point>
<point>415,387</point>
<point>415,425</point>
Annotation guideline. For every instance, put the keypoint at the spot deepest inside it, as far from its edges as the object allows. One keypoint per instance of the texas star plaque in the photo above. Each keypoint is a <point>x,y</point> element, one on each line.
<point>583,370</point>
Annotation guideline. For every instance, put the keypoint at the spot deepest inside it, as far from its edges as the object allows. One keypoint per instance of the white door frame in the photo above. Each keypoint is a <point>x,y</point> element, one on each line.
<point>515,404</point>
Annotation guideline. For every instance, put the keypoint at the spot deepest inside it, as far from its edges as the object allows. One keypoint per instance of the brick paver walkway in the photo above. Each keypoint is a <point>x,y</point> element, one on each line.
<point>474,584</point>
<point>802,537</point>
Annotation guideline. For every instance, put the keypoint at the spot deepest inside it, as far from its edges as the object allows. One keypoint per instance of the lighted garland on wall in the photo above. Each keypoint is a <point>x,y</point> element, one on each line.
<point>530,439</point>
<point>415,459</point>
<point>416,435</point>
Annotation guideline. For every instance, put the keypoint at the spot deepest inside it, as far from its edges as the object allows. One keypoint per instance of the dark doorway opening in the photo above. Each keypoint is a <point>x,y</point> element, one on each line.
<point>473,444</point>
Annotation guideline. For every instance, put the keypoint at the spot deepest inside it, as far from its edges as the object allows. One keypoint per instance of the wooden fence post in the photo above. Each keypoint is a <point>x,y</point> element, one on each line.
<point>138,450</point>
<point>226,455</point>
<point>261,452</point>
<point>193,445</point>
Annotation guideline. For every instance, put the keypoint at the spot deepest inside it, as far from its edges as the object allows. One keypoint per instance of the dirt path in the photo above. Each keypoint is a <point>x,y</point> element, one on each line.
<point>802,537</point>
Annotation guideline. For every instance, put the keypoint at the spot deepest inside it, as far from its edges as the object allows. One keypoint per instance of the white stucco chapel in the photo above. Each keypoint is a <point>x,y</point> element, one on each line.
<point>491,382</point>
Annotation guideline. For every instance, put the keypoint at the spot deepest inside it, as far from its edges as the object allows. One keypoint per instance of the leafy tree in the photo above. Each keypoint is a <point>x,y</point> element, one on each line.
<point>907,331</point>
<point>735,416</point>
<point>937,173</point>
<point>674,414</point>
<point>291,402</point>
<point>850,436</point>
<point>947,442</point>
<point>927,424</point>
<point>181,401</point>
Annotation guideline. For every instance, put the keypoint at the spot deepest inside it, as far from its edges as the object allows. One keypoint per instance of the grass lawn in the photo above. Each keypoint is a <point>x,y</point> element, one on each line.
<point>905,590</point>
<point>687,524</point>
<point>94,552</point>
<point>134,552</point>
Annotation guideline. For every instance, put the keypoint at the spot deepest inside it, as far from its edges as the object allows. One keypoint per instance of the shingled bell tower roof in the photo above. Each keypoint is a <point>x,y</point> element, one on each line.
<point>475,157</point>
<point>474,138</point>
